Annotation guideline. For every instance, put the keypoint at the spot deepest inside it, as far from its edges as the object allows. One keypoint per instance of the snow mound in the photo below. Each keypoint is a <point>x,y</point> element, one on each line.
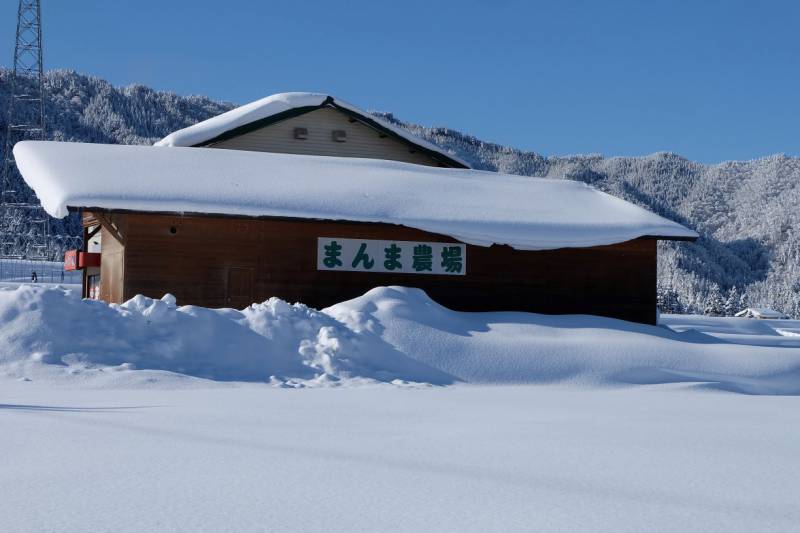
<point>390,334</point>
<point>43,329</point>
<point>515,347</point>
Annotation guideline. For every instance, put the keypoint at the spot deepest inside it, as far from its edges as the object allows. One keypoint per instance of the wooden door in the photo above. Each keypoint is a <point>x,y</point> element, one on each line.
<point>112,269</point>
<point>239,289</point>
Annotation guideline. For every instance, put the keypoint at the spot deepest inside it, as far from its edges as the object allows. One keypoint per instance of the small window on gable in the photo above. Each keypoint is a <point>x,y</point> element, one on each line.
<point>301,134</point>
<point>339,136</point>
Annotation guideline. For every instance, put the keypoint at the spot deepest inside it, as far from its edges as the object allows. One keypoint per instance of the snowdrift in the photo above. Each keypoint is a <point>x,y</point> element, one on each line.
<point>270,341</point>
<point>390,334</point>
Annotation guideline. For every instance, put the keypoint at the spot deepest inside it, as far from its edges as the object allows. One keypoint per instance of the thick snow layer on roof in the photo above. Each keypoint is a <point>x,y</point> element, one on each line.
<point>270,106</point>
<point>762,312</point>
<point>472,206</point>
<point>260,109</point>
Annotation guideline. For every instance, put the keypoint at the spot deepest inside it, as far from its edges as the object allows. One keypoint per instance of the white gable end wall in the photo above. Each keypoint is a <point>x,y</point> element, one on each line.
<point>360,140</point>
<point>206,131</point>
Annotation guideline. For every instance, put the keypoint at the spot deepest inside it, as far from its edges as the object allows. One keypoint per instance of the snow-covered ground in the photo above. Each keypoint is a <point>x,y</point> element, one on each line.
<point>148,416</point>
<point>382,458</point>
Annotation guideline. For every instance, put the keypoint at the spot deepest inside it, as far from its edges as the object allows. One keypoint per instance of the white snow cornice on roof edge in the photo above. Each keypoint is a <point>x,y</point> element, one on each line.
<point>279,103</point>
<point>475,207</point>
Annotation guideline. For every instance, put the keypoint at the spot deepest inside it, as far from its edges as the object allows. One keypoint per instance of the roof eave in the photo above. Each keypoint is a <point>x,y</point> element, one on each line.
<point>685,238</point>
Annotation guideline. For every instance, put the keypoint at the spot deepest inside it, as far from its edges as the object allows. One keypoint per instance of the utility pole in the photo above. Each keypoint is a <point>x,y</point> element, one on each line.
<point>24,225</point>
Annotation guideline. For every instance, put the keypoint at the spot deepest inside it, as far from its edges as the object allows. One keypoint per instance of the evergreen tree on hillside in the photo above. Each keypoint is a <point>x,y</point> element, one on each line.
<point>744,302</point>
<point>732,302</point>
<point>667,300</point>
<point>794,309</point>
<point>715,304</point>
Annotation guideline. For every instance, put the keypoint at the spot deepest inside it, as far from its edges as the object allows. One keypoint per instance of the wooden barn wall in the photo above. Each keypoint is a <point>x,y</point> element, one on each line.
<point>361,140</point>
<point>227,262</point>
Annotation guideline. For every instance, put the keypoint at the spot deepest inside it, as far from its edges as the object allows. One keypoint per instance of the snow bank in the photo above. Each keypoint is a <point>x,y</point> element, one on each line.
<point>274,105</point>
<point>389,334</point>
<point>517,347</point>
<point>475,207</point>
<point>271,341</point>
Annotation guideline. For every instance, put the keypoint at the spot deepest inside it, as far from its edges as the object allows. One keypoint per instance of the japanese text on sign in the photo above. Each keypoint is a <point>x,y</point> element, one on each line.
<point>401,257</point>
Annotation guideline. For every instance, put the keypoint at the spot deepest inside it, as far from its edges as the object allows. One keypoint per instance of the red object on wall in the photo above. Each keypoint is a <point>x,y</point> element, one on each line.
<point>71,260</point>
<point>86,259</point>
<point>75,260</point>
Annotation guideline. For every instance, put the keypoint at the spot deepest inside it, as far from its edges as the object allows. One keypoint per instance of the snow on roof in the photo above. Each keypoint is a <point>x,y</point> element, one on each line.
<point>475,207</point>
<point>760,312</point>
<point>271,106</point>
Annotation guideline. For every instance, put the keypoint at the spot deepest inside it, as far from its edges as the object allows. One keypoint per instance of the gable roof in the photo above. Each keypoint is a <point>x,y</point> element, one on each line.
<point>472,206</point>
<point>281,106</point>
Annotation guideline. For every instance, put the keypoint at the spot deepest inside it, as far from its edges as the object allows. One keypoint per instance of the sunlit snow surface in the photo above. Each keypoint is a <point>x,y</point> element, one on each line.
<point>390,412</point>
<point>475,207</point>
<point>460,458</point>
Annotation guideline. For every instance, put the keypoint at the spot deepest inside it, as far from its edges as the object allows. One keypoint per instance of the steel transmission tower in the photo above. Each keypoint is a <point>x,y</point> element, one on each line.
<point>23,222</point>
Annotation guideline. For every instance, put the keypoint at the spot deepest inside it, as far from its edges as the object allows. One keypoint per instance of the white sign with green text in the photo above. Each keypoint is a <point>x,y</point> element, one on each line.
<point>401,257</point>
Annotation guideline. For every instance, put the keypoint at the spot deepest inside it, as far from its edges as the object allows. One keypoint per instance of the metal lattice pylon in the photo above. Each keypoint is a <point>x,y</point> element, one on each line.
<point>24,224</point>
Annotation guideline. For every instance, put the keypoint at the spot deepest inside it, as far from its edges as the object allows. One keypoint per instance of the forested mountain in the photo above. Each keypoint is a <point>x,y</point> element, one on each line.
<point>746,211</point>
<point>88,109</point>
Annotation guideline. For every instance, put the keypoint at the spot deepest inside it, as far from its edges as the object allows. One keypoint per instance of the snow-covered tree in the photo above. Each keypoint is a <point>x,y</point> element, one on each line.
<point>715,303</point>
<point>744,303</point>
<point>732,302</point>
<point>667,300</point>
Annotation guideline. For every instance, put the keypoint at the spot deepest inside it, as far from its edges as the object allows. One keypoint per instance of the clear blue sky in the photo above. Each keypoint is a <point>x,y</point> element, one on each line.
<point>711,80</point>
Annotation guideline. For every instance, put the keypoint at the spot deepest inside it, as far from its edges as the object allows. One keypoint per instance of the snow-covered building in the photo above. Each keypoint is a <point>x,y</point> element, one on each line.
<point>308,198</point>
<point>761,313</point>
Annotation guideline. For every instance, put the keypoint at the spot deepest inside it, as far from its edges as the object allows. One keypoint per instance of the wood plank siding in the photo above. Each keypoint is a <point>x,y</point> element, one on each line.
<point>231,262</point>
<point>360,140</point>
